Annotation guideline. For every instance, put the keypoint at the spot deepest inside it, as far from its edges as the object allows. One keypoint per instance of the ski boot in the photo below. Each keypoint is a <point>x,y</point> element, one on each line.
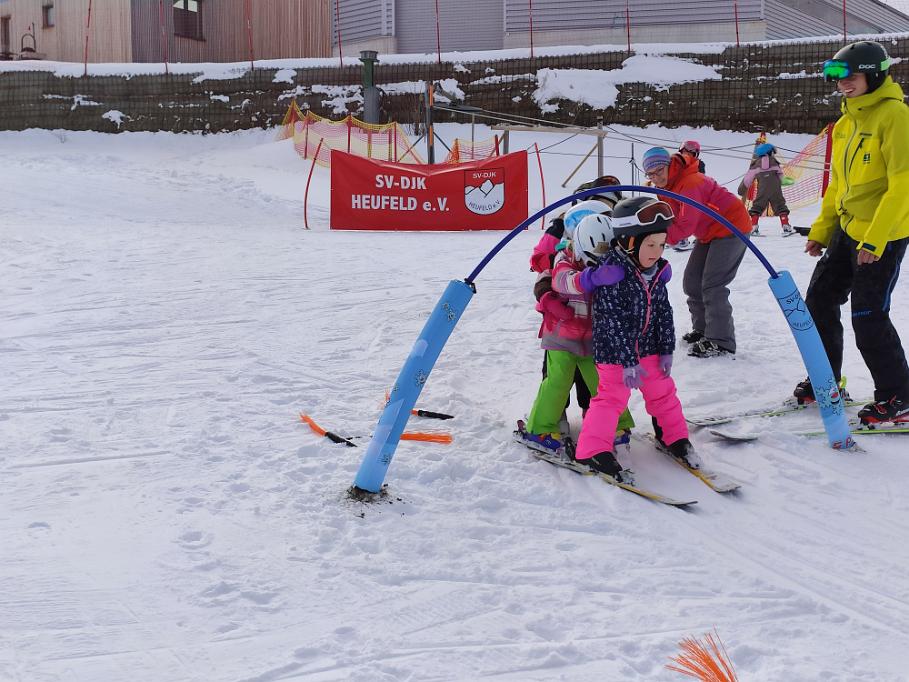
<point>705,348</point>
<point>549,443</point>
<point>684,452</point>
<point>893,410</point>
<point>693,336</point>
<point>804,392</point>
<point>622,440</point>
<point>606,463</point>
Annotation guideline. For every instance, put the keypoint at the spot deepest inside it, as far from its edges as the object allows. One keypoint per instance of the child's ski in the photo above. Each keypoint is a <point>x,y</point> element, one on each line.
<point>714,480</point>
<point>565,463</point>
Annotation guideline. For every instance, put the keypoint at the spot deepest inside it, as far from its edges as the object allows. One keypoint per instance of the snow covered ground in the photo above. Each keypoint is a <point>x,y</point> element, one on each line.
<point>164,318</point>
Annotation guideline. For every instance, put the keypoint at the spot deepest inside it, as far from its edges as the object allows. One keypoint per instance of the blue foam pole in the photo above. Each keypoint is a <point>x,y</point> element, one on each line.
<point>410,382</point>
<point>826,391</point>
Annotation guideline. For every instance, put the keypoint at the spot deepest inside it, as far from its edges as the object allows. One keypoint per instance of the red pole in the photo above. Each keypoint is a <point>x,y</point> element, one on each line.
<point>735,5</point>
<point>247,9</point>
<point>438,35</point>
<point>315,158</point>
<point>88,25</point>
<point>338,29</point>
<point>349,116</point>
<point>542,183</point>
<point>844,22</point>
<point>828,159</point>
<point>628,24</point>
<point>163,34</point>
<point>530,3</point>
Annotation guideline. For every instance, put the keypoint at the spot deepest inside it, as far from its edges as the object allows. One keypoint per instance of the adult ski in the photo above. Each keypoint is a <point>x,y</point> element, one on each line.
<point>784,408</point>
<point>855,428</point>
<point>733,437</point>
<point>858,429</point>
<point>712,479</point>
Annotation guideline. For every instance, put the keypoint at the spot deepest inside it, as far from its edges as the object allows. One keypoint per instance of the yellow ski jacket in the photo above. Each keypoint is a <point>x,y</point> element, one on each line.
<point>868,194</point>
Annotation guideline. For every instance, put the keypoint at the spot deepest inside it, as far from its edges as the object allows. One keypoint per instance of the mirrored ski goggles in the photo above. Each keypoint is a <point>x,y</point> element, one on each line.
<point>648,215</point>
<point>835,69</point>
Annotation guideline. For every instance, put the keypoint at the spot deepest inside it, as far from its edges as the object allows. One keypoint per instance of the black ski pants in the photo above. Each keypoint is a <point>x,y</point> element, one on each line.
<point>836,276</point>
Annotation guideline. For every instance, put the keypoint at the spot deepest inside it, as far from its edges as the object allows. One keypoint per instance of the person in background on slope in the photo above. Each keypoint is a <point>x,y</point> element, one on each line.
<point>765,168</point>
<point>692,149</point>
<point>716,257</point>
<point>543,257</point>
<point>566,336</point>
<point>864,227</point>
<point>633,337</point>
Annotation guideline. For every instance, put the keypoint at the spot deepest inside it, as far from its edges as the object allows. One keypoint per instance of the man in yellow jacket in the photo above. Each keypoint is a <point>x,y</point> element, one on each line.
<point>864,227</point>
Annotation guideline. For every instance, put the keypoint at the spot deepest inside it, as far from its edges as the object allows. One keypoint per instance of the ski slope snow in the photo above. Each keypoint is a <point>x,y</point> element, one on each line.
<point>164,318</point>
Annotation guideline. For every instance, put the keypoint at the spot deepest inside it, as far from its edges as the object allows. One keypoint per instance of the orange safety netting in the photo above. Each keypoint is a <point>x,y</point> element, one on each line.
<point>803,176</point>
<point>315,136</point>
<point>465,150</point>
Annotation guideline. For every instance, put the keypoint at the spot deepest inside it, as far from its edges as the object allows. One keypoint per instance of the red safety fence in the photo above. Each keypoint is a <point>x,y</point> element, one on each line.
<point>315,136</point>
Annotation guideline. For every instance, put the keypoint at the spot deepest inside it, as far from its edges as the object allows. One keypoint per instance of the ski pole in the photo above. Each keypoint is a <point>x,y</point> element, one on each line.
<point>424,413</point>
<point>444,438</point>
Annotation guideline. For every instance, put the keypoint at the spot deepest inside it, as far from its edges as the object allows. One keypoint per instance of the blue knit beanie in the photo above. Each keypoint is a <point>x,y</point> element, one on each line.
<point>654,158</point>
<point>764,149</point>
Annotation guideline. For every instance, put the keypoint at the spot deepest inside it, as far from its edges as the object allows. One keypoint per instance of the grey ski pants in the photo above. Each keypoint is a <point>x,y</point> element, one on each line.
<point>711,267</point>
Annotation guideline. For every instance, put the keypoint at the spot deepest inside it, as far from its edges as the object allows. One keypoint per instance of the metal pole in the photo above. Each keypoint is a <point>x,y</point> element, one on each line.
<point>735,5</point>
<point>88,27</point>
<point>530,3</point>
<point>249,36</point>
<point>430,142</point>
<point>473,120</point>
<point>338,29</point>
<point>578,167</point>
<point>438,36</point>
<point>844,22</point>
<point>628,24</point>
<point>600,149</point>
<point>164,46</point>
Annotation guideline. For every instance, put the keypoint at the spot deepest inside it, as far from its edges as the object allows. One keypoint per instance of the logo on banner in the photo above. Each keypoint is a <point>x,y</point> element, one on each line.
<point>484,190</point>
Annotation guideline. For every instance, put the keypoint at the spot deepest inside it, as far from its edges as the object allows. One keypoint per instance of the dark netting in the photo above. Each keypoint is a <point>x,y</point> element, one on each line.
<point>764,86</point>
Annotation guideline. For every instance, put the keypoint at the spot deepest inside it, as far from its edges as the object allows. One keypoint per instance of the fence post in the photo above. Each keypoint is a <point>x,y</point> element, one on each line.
<point>88,27</point>
<point>164,46</point>
<point>600,149</point>
<point>828,157</point>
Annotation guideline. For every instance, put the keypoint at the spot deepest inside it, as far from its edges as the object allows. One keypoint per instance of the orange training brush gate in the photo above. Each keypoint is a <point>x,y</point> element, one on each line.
<point>706,661</point>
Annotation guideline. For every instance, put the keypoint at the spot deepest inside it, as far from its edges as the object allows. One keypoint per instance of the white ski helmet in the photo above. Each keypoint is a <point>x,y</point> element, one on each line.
<point>592,238</point>
<point>576,213</point>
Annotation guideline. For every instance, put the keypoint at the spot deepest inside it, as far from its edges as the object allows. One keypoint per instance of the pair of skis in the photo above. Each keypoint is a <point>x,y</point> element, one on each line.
<point>856,428</point>
<point>563,459</point>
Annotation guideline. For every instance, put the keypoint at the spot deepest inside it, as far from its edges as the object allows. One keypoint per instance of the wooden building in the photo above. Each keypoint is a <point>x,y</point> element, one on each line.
<point>152,30</point>
<point>408,26</point>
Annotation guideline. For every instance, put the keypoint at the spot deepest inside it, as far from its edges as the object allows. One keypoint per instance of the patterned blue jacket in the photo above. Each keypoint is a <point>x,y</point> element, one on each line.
<point>633,317</point>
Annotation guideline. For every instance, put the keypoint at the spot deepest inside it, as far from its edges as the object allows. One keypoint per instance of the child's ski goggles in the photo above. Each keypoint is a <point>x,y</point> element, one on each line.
<point>836,69</point>
<point>648,215</point>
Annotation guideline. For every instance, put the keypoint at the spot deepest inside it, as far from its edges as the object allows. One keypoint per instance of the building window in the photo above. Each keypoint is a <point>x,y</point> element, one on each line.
<point>188,19</point>
<point>48,15</point>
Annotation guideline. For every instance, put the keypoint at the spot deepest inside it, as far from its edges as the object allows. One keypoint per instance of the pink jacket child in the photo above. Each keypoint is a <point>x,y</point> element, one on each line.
<point>566,309</point>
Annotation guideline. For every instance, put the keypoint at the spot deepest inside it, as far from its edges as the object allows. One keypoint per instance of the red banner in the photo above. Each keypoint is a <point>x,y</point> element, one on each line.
<point>479,195</point>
